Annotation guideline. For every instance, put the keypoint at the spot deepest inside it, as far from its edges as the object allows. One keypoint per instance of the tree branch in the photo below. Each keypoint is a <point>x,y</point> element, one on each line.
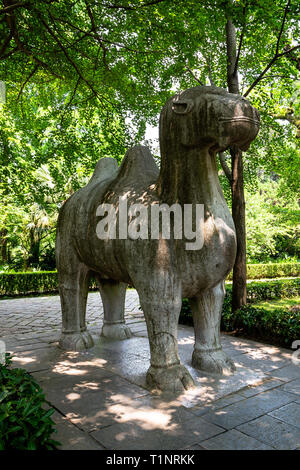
<point>240,42</point>
<point>27,80</point>
<point>239,52</point>
<point>262,74</point>
<point>130,8</point>
<point>276,55</point>
<point>70,60</point>
<point>70,101</point>
<point>13,6</point>
<point>93,35</point>
<point>11,22</point>
<point>94,29</point>
<point>194,76</point>
<point>294,120</point>
<point>209,70</point>
<point>225,167</point>
<point>282,25</point>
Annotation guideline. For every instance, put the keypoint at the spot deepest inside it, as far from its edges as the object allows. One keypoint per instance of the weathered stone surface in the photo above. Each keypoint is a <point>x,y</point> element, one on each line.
<point>234,440</point>
<point>292,387</point>
<point>72,438</point>
<point>263,387</point>
<point>286,373</point>
<point>155,430</point>
<point>248,409</point>
<point>87,402</point>
<point>288,414</point>
<point>194,126</point>
<point>280,435</point>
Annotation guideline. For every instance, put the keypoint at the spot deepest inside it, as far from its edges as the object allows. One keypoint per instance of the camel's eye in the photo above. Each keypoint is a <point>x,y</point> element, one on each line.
<point>182,106</point>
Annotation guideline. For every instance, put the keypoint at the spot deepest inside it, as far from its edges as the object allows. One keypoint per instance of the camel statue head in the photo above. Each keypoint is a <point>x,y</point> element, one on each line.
<point>208,116</point>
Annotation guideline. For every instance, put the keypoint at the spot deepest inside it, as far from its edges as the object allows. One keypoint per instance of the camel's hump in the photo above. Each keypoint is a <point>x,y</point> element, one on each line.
<point>105,168</point>
<point>138,164</point>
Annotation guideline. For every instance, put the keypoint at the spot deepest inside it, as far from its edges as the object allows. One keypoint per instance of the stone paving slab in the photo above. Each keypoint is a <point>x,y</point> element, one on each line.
<point>173,432</point>
<point>248,409</point>
<point>101,397</point>
<point>293,387</point>
<point>234,440</point>
<point>272,431</point>
<point>71,437</point>
<point>288,414</point>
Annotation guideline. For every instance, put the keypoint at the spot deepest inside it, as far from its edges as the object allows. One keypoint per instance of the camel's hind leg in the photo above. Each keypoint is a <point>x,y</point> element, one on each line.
<point>208,354</point>
<point>113,297</point>
<point>73,289</point>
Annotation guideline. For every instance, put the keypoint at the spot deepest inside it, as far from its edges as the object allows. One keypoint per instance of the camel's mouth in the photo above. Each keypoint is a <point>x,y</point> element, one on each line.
<point>240,119</point>
<point>240,130</point>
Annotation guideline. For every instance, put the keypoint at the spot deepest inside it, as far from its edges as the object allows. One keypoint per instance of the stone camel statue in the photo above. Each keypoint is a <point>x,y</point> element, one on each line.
<point>194,126</point>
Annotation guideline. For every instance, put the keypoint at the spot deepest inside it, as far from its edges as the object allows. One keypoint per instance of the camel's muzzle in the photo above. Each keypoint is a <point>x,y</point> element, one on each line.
<point>239,130</point>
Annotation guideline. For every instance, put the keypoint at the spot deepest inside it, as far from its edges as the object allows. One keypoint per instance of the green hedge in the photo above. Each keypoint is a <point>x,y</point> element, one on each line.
<point>28,283</point>
<point>271,270</point>
<point>270,289</point>
<point>24,283</point>
<point>280,326</point>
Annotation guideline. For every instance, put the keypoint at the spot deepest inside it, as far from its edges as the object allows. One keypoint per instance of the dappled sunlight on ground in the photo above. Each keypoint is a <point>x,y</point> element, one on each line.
<point>22,361</point>
<point>73,396</point>
<point>146,418</point>
<point>69,368</point>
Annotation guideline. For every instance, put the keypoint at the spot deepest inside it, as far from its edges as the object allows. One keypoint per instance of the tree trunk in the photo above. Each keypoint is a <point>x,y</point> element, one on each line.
<point>3,246</point>
<point>34,251</point>
<point>239,280</point>
<point>239,287</point>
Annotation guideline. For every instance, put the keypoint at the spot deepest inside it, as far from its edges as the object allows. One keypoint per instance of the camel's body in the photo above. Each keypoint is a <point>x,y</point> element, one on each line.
<point>162,271</point>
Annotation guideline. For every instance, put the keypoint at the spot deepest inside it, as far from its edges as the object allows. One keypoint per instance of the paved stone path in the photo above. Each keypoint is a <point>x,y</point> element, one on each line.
<point>102,401</point>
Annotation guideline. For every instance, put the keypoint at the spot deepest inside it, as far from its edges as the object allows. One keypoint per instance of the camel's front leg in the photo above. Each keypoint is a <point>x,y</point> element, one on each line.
<point>113,298</point>
<point>208,354</point>
<point>161,304</point>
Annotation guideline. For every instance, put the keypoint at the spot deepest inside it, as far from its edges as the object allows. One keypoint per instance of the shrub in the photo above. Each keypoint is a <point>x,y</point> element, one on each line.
<point>271,270</point>
<point>281,326</point>
<point>25,424</point>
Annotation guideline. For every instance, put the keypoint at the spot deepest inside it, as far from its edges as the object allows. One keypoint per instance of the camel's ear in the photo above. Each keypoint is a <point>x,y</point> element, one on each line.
<point>182,106</point>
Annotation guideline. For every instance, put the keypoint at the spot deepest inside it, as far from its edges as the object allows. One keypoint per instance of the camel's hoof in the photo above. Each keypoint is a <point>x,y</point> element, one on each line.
<point>216,362</point>
<point>172,379</point>
<point>117,331</point>
<point>76,341</point>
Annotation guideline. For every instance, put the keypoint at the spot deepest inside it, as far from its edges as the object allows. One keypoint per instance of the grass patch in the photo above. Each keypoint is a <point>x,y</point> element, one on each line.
<point>282,304</point>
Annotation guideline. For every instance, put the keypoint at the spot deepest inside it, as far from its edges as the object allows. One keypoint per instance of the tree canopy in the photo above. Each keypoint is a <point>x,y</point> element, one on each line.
<point>84,77</point>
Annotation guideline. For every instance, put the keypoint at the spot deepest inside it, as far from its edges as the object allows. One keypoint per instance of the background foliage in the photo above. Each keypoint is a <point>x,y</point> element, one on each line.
<point>84,78</point>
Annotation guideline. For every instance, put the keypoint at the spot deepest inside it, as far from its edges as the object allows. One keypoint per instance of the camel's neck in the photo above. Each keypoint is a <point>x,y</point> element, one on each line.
<point>189,176</point>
